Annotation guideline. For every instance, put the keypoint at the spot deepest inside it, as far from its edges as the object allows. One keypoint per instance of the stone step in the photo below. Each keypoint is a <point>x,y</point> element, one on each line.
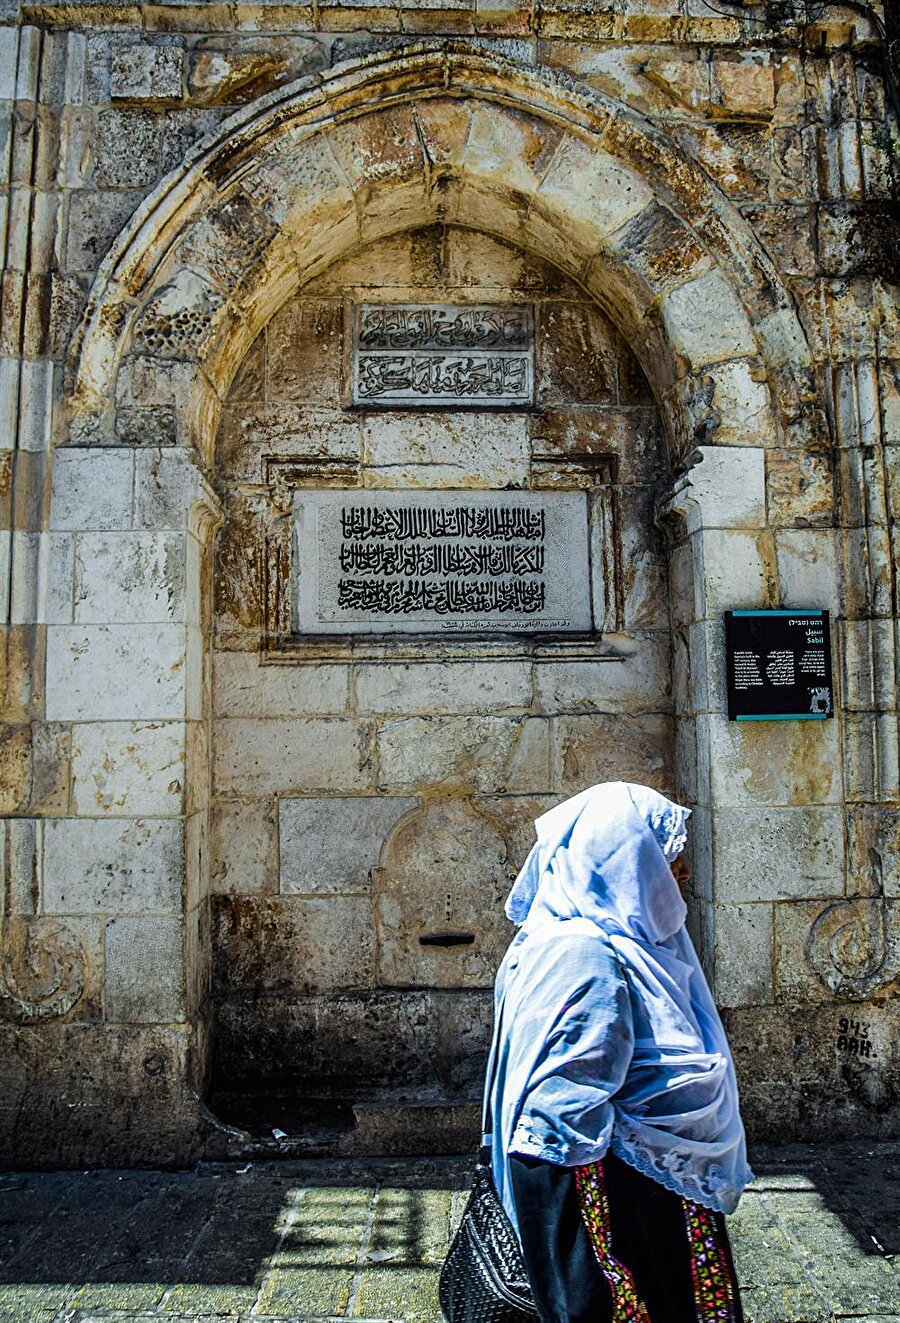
<point>413,1129</point>
<point>268,1127</point>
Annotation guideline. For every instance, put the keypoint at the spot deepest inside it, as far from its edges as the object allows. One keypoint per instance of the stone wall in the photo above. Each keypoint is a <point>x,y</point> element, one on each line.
<point>361,803</point>
<point>194,191</point>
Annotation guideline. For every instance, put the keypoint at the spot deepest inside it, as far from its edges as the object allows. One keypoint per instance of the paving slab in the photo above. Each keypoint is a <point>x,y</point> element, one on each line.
<point>816,1239</point>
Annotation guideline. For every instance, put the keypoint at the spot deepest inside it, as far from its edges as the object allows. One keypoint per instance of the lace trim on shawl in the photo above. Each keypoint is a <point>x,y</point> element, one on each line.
<point>671,1170</point>
<point>671,831</point>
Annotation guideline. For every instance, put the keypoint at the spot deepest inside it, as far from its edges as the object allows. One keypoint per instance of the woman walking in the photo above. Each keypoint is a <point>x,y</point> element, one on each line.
<point>615,1135</point>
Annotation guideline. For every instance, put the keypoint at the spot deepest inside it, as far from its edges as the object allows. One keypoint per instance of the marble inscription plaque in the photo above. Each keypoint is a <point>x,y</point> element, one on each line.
<point>440,561</point>
<point>417,356</point>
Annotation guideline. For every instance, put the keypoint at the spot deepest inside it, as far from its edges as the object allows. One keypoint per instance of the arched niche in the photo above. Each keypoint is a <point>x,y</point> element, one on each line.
<point>445,135</point>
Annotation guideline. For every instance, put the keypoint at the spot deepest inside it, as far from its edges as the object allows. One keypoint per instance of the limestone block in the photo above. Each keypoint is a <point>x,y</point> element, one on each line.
<point>249,432</point>
<point>474,260</point>
<point>744,88</point>
<point>873,862</point>
<point>443,687</point>
<point>808,568</point>
<point>632,435</point>
<point>313,944</point>
<point>225,242</point>
<point>309,828</point>
<point>115,672</point>
<point>114,866</point>
<point>249,382</point>
<point>382,146</point>
<point>225,72</point>
<point>244,847</point>
<point>743,955</point>
<point>42,581</point>
<point>141,72</point>
<point>244,688</point>
<point>122,577</point>
<point>127,148</point>
<point>762,763</point>
<point>182,128</point>
<point>92,489</point>
<point>488,754</point>
<point>259,757</point>
<point>737,156</point>
<point>636,681</point>
<point>515,817</point>
<point>128,767</point>
<point>166,484</point>
<point>737,572</point>
<point>729,484</point>
<point>800,487</point>
<point>778,853</point>
<point>239,565</point>
<point>590,192</point>
<point>742,411</point>
<point>95,218</point>
<point>578,356</point>
<point>643,562</point>
<point>795,978</point>
<point>589,749</point>
<point>507,150</point>
<point>786,230</point>
<point>445,450</point>
<point>658,247</point>
<point>890,417</point>
<point>155,426</point>
<point>304,342</point>
<point>707,682</point>
<point>34,769</point>
<point>176,319</point>
<point>144,970</point>
<point>682,576</point>
<point>705,321</point>
<point>444,869</point>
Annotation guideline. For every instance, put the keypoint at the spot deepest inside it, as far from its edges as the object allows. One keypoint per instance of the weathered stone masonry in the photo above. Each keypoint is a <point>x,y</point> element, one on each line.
<point>222,841</point>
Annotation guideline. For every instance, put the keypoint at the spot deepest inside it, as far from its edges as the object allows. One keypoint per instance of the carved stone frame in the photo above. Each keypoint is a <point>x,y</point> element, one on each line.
<point>280,644</point>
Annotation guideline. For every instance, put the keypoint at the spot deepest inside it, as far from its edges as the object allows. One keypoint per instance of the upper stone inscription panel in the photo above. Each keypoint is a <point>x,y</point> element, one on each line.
<point>435,561</point>
<point>409,356</point>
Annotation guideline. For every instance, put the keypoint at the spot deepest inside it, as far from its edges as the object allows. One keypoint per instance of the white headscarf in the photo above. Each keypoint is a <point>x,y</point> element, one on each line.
<point>634,1056</point>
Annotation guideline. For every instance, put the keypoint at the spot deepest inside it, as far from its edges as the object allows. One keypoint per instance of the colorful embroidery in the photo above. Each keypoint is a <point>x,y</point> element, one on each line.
<point>713,1285</point>
<point>628,1307</point>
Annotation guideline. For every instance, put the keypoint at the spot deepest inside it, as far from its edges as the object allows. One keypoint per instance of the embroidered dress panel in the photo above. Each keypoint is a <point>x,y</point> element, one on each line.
<point>627,1304</point>
<point>713,1286</point>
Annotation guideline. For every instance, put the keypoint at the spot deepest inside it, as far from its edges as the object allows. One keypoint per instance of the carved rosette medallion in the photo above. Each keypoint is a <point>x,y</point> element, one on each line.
<point>42,973</point>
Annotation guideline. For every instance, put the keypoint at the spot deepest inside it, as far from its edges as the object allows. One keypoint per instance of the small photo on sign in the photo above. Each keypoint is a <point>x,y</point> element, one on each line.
<point>778,665</point>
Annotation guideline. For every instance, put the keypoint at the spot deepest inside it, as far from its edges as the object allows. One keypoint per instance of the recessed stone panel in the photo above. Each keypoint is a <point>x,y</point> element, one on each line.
<point>331,844</point>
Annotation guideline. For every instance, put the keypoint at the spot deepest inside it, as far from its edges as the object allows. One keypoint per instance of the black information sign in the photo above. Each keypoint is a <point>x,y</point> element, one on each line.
<point>778,665</point>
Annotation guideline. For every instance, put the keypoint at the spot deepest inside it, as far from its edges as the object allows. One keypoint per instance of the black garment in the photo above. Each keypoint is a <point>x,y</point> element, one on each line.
<point>647,1234</point>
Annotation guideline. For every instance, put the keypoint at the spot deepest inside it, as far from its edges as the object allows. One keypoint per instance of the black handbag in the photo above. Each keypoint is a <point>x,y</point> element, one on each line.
<point>483,1279</point>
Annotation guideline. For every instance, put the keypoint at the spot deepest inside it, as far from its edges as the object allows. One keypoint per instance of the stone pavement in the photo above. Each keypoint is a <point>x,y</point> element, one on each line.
<point>816,1239</point>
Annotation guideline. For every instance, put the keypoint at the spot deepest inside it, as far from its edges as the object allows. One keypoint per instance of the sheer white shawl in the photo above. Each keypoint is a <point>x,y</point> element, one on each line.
<point>606,1035</point>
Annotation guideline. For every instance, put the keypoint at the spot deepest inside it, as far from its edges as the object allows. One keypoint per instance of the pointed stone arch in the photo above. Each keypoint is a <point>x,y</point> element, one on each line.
<point>444,133</point>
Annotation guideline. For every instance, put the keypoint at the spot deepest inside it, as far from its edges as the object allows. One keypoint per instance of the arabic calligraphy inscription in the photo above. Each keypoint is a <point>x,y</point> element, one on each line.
<point>417,356</point>
<point>434,561</point>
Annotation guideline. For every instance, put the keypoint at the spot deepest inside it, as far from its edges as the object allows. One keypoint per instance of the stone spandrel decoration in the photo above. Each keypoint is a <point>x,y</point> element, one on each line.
<point>407,356</point>
<point>441,561</point>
